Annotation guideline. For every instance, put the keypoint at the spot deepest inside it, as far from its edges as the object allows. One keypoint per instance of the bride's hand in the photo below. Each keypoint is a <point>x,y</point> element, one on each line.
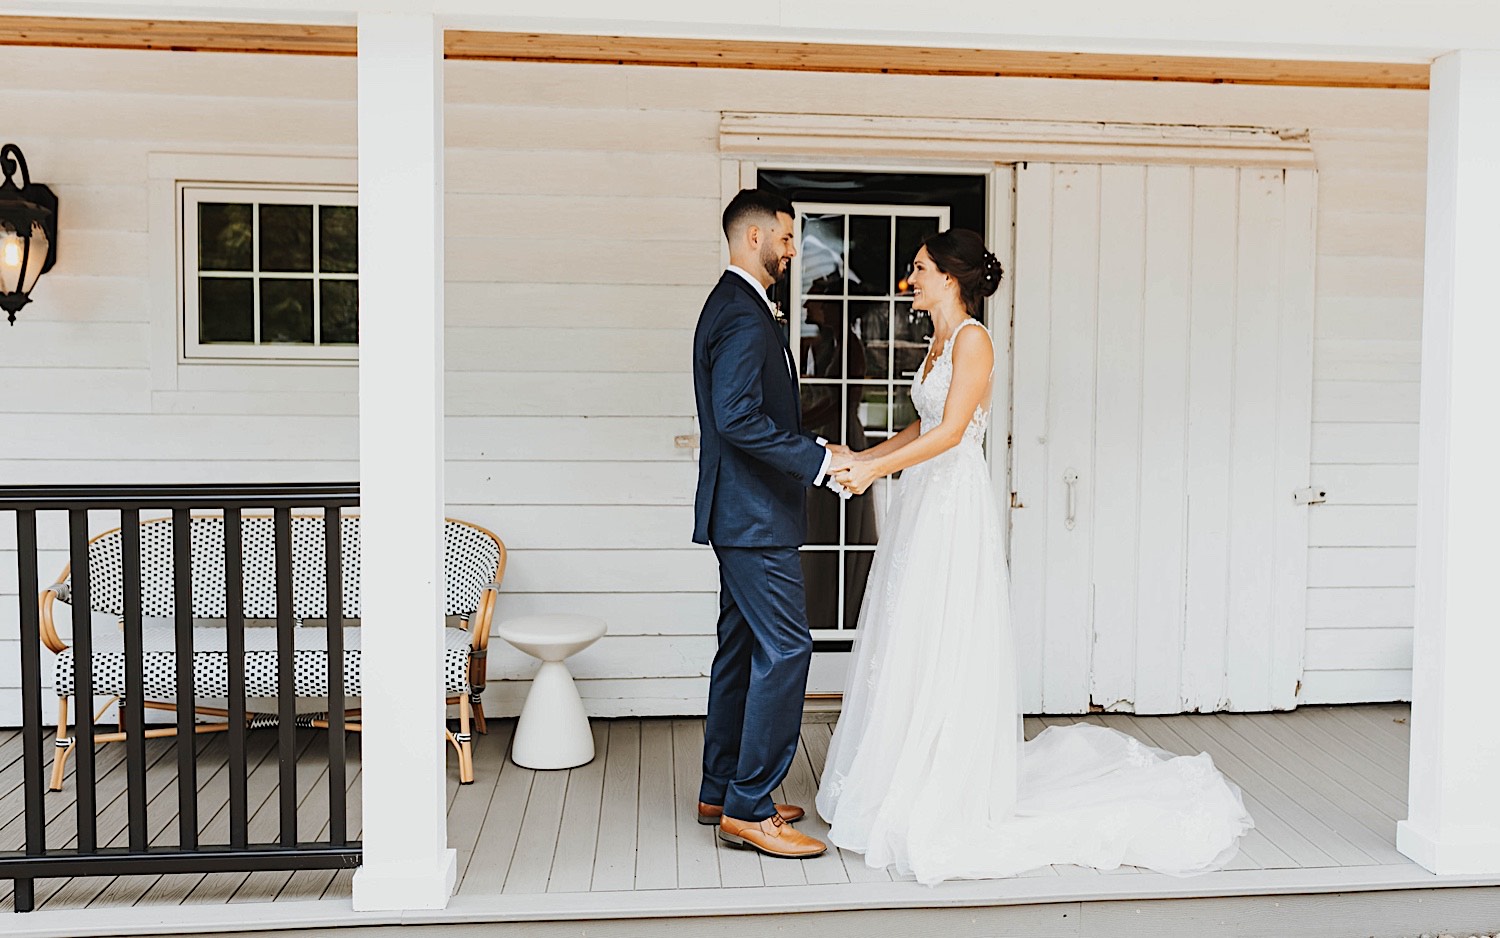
<point>857,477</point>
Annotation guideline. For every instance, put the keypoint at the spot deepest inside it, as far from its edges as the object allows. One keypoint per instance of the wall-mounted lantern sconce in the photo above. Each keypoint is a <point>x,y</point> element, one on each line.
<point>28,232</point>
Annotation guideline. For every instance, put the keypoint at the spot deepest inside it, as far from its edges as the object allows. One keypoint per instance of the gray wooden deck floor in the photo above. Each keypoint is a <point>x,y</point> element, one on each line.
<point>1326,786</point>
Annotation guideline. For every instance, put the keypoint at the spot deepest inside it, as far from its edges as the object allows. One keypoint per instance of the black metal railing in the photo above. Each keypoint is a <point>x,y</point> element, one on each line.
<point>86,856</point>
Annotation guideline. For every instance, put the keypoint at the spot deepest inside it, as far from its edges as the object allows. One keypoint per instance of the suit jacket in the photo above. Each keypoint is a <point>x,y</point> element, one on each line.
<point>756,462</point>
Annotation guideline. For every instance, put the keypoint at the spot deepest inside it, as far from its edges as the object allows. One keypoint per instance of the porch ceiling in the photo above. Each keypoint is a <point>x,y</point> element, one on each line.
<point>312,39</point>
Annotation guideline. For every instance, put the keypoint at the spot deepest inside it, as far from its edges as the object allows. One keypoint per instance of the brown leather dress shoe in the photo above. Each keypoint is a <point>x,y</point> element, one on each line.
<point>710,813</point>
<point>772,837</point>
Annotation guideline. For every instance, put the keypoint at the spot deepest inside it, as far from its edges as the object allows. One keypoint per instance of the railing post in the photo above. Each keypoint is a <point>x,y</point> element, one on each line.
<point>31,703</point>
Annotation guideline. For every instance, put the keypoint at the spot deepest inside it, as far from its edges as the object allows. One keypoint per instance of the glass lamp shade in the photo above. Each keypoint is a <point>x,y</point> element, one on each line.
<point>22,255</point>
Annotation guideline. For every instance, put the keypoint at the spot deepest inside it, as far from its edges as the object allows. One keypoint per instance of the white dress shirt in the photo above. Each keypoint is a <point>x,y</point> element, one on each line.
<point>791,368</point>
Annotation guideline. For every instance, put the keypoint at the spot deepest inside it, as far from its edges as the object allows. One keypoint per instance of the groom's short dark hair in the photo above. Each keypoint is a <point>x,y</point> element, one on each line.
<point>754,206</point>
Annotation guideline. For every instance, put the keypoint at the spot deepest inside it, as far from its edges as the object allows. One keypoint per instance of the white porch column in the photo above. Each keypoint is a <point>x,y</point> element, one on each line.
<point>407,863</point>
<point>1453,824</point>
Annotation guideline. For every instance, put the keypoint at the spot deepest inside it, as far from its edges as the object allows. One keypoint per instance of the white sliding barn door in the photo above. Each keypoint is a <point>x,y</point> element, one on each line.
<point>1162,417</point>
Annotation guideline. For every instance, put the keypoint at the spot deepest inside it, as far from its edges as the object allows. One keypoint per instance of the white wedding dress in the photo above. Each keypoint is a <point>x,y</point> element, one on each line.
<point>927,772</point>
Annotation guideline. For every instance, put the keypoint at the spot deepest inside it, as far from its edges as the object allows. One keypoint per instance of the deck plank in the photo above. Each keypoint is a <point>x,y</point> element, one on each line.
<point>1376,767</point>
<point>312,820</point>
<point>1288,796</point>
<point>113,820</point>
<point>495,841</point>
<point>304,885</point>
<point>697,856</point>
<point>614,863</point>
<point>1359,732</point>
<point>1398,731</point>
<point>656,823</point>
<point>127,890</point>
<point>1294,751</point>
<point>536,843</point>
<point>573,863</point>
<point>1353,818</point>
<point>467,810</point>
<point>265,822</point>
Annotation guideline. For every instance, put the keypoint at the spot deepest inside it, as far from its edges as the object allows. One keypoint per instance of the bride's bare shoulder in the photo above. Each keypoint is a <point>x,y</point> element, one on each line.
<point>973,343</point>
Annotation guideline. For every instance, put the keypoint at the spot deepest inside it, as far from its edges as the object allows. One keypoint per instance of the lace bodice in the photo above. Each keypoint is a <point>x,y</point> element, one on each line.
<point>930,394</point>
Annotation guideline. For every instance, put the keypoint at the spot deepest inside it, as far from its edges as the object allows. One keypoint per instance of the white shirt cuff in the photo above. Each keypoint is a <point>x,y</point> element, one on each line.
<point>827,461</point>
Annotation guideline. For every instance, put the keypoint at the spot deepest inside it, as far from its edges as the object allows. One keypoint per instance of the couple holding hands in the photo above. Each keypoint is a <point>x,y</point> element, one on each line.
<point>928,771</point>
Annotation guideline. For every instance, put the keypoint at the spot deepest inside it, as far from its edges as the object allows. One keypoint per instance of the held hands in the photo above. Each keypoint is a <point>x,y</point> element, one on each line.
<point>849,473</point>
<point>857,477</point>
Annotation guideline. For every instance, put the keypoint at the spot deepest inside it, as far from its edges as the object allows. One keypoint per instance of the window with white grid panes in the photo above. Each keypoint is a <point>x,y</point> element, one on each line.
<point>269,273</point>
<point>858,344</point>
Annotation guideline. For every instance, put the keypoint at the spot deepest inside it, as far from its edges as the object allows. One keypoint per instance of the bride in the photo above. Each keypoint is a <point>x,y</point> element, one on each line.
<point>928,772</point>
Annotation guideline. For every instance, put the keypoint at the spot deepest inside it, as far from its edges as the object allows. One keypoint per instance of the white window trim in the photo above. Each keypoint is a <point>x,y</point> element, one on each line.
<point>192,348</point>
<point>170,371</point>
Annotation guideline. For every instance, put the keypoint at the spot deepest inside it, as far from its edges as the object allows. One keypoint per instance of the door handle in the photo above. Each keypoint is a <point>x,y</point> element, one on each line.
<point>1070,479</point>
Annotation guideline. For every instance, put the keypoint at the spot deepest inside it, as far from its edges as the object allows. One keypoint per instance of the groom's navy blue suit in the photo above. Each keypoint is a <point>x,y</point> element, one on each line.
<point>754,469</point>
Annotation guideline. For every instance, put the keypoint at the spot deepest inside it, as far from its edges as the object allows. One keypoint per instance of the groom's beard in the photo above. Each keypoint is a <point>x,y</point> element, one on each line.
<point>773,264</point>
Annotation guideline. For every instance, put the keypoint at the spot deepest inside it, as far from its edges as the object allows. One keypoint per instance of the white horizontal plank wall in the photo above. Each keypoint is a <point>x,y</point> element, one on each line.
<point>582,218</point>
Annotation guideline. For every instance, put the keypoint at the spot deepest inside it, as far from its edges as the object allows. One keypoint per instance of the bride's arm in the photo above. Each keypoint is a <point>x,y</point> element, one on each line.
<point>973,362</point>
<point>908,433</point>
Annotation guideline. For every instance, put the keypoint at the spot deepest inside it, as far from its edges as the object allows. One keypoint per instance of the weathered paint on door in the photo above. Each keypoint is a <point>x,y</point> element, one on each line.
<point>1163,385</point>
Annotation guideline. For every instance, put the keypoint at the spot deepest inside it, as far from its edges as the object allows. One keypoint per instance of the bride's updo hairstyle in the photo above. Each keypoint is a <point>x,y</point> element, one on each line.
<point>961,254</point>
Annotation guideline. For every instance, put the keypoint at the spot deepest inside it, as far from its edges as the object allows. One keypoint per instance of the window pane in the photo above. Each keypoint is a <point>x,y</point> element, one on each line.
<point>822,410</point>
<point>910,233</point>
<point>226,309</point>
<point>903,411</point>
<point>339,307</point>
<point>820,572</point>
<point>872,410</point>
<point>822,250</point>
<point>338,239</point>
<point>870,255</point>
<point>286,308</point>
<point>225,236</point>
<point>857,562</point>
<point>913,332</point>
<point>869,339</point>
<point>821,322</point>
<point>286,238</point>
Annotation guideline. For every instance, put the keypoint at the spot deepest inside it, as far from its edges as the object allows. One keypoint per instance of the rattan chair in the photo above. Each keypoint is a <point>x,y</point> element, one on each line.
<point>474,564</point>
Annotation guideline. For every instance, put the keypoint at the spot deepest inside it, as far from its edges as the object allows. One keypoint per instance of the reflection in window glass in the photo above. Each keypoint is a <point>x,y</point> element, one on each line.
<point>226,309</point>
<point>822,253</point>
<point>858,344</point>
<point>869,255</point>
<point>226,236</point>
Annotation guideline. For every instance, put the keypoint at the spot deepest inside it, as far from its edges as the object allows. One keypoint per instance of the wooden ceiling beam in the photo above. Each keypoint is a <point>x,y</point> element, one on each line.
<point>309,39</point>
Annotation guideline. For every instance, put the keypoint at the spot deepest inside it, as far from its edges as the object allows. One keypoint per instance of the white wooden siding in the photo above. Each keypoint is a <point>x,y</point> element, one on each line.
<point>583,210</point>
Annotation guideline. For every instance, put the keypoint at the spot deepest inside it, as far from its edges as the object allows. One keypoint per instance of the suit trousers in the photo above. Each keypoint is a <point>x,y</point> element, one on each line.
<point>759,679</point>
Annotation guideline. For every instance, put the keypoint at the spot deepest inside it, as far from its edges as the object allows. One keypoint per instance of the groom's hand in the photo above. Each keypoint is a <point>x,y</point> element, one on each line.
<point>842,455</point>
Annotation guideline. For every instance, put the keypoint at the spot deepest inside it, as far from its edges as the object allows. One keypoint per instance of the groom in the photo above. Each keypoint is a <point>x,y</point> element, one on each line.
<point>754,469</point>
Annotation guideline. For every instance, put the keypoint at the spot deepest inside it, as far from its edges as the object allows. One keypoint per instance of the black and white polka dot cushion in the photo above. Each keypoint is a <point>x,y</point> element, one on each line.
<point>211,662</point>
<point>470,557</point>
<point>469,560</point>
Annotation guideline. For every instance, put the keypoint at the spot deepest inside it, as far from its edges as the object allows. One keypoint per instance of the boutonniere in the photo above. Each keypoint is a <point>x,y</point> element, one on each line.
<point>777,314</point>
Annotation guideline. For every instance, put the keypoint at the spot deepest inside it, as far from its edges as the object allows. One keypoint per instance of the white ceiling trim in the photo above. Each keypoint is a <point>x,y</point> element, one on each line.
<point>1004,141</point>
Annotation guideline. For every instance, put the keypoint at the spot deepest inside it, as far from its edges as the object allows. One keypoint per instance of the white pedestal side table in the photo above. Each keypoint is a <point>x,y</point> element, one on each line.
<point>553,731</point>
